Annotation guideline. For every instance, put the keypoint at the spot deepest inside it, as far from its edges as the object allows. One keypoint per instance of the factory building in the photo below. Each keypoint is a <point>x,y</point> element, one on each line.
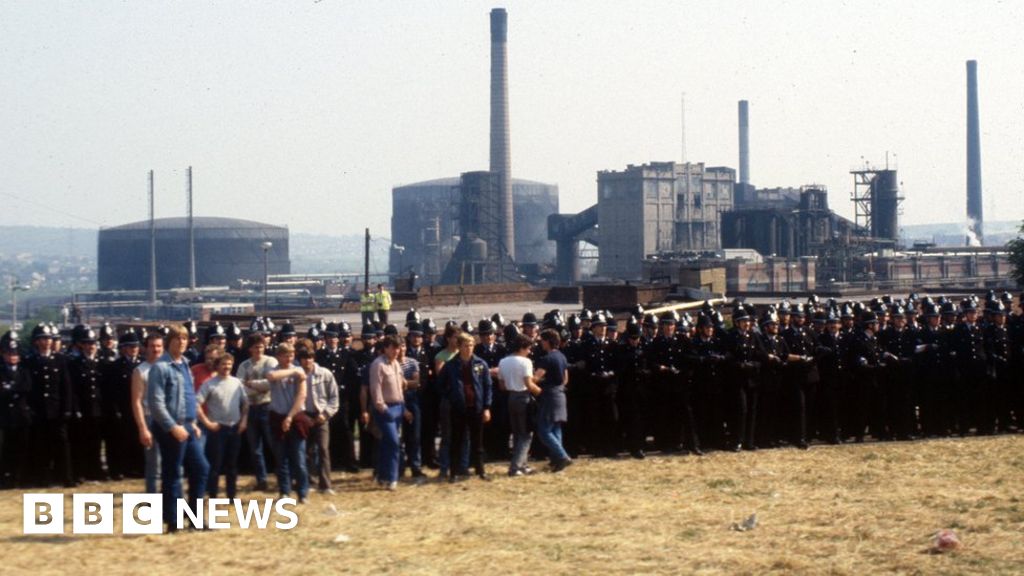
<point>659,207</point>
<point>226,250</point>
<point>426,223</point>
<point>777,224</point>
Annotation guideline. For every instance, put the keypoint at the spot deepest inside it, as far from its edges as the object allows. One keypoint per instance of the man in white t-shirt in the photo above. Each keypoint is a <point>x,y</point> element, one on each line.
<point>516,372</point>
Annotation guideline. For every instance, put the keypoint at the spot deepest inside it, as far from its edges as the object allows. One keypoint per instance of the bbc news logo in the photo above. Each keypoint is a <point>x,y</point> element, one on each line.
<point>144,513</point>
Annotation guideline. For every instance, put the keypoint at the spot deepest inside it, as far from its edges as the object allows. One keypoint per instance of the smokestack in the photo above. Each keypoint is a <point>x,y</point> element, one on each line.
<point>501,162</point>
<point>974,212</point>
<point>191,237</point>
<point>152,243</point>
<point>744,143</point>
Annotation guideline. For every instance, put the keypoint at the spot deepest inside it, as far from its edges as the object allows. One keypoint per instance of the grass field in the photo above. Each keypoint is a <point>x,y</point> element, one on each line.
<point>855,509</point>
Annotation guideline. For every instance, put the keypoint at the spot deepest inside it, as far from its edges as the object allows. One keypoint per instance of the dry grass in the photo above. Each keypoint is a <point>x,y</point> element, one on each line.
<point>848,510</point>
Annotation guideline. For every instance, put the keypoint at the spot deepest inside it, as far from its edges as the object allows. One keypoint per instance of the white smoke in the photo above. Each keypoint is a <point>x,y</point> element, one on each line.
<point>967,229</point>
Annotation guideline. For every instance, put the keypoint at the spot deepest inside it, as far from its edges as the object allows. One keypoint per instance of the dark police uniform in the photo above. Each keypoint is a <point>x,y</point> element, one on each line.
<point>15,422</point>
<point>51,401</point>
<point>86,378</point>
<point>124,457</point>
<point>600,407</point>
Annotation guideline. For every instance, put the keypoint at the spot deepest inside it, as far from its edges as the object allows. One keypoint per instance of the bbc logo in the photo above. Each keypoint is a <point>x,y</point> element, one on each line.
<point>93,514</point>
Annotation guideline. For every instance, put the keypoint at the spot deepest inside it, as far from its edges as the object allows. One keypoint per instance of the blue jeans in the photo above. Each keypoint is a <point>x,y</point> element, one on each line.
<point>174,455</point>
<point>290,453</point>
<point>518,417</point>
<point>222,453</point>
<point>388,453</point>
<point>411,433</point>
<point>550,434</point>
<point>152,461</point>
<point>258,434</point>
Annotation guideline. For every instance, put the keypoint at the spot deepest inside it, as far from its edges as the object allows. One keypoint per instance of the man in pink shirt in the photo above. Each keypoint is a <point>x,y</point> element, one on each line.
<point>387,399</point>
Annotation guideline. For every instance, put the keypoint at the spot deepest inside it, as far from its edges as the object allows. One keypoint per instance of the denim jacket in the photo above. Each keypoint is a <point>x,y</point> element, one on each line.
<point>165,394</point>
<point>451,383</point>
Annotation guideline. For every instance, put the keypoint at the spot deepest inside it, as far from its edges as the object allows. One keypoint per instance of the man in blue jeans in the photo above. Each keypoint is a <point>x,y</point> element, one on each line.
<point>552,372</point>
<point>252,373</point>
<point>287,402</point>
<point>172,403</point>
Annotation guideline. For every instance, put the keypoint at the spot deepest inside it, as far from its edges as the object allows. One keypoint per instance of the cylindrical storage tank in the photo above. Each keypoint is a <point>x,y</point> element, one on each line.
<point>885,205</point>
<point>227,250</point>
<point>477,249</point>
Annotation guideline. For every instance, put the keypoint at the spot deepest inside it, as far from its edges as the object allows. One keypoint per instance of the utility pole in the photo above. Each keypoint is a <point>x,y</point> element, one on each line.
<point>152,243</point>
<point>366,263</point>
<point>191,236</point>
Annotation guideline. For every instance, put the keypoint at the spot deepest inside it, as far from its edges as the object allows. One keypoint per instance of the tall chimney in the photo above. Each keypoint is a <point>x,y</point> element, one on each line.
<point>974,212</point>
<point>501,162</point>
<point>744,142</point>
<point>191,237</point>
<point>152,243</point>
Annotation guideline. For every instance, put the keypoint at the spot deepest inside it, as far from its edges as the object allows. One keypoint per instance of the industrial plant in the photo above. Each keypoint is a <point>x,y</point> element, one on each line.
<point>688,228</point>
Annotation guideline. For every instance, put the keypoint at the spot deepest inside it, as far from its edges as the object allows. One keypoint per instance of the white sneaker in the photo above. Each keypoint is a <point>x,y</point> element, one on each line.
<point>392,486</point>
<point>327,491</point>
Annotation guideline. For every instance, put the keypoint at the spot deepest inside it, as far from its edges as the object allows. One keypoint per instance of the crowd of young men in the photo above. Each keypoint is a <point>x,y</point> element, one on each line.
<point>788,374</point>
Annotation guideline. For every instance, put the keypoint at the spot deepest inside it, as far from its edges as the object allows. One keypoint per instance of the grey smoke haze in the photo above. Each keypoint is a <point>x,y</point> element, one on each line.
<point>307,113</point>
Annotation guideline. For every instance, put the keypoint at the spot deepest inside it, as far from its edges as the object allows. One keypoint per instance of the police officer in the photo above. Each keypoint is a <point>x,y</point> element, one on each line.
<point>998,349</point>
<point>86,377</point>
<point>801,383</point>
<point>746,355</point>
<point>359,361</point>
<point>51,401</point>
<point>234,346</point>
<point>497,431</point>
<point>865,361</point>
<point>333,357</point>
<point>705,356</point>
<point>107,352</point>
<point>412,429</point>
<point>898,342</point>
<point>192,353</point>
<point>830,358</point>
<point>972,370</point>
<point>930,357</point>
<point>123,456</point>
<point>631,368</point>
<point>599,402</point>
<point>15,414</point>
<point>774,373</point>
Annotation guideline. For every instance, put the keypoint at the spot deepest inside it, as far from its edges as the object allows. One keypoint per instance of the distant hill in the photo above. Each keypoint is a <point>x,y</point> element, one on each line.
<point>996,233</point>
<point>48,241</point>
<point>309,253</point>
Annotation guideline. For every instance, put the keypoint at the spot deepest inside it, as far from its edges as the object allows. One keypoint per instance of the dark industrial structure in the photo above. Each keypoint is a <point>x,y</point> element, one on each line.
<point>876,199</point>
<point>426,223</point>
<point>786,228</point>
<point>974,210</point>
<point>226,250</point>
<point>485,226</point>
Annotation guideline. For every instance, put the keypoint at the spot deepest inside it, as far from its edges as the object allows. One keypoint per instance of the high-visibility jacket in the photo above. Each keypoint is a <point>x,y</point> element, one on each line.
<point>384,300</point>
<point>367,303</point>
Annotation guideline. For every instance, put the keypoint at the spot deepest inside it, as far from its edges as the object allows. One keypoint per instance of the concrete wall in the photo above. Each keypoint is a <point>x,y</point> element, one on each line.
<point>774,275</point>
<point>659,207</point>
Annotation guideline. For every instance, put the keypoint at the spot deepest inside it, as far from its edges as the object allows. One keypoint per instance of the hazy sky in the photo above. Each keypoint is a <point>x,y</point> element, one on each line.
<point>306,113</point>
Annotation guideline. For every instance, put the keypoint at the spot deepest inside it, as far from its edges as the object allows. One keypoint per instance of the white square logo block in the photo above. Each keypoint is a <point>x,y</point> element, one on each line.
<point>142,514</point>
<point>93,513</point>
<point>43,514</point>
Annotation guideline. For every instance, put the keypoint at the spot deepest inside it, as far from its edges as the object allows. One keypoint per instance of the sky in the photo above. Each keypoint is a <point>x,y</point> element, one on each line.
<point>307,113</point>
